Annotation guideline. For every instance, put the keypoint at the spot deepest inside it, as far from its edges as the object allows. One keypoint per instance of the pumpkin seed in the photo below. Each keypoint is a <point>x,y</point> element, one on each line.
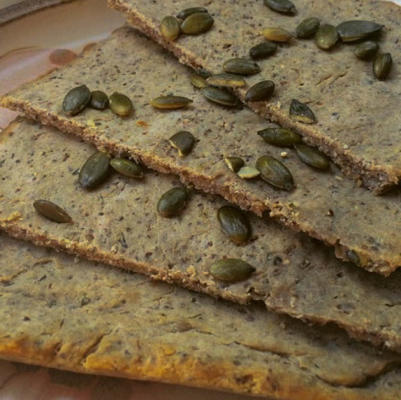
<point>127,168</point>
<point>248,173</point>
<point>280,137</point>
<point>234,163</point>
<point>301,112</point>
<point>220,96</point>
<point>241,66</point>
<point>326,37</point>
<point>120,104</point>
<point>353,257</point>
<point>275,173</point>
<point>99,100</point>
<point>197,23</point>
<point>382,65</point>
<point>51,211</point>
<point>352,31</point>
<point>260,91</point>
<point>76,100</point>
<point>198,81</point>
<point>226,80</point>
<point>307,28</point>
<point>366,50</point>
<point>281,6</point>
<point>94,171</point>
<point>234,224</point>
<point>277,34</point>
<point>173,202</point>
<point>312,157</point>
<point>231,270</point>
<point>170,27</point>
<point>183,141</point>
<point>170,102</point>
<point>263,50</point>
<point>204,73</point>
<point>192,10</point>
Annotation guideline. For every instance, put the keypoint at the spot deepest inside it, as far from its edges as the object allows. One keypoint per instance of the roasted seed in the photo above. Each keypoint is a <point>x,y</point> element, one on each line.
<point>198,81</point>
<point>301,112</point>
<point>197,23</point>
<point>263,50</point>
<point>76,100</point>
<point>366,50</point>
<point>260,91</point>
<point>382,65</point>
<point>192,10</point>
<point>307,28</point>
<point>281,6</point>
<point>120,104</point>
<point>275,173</point>
<point>183,141</point>
<point>51,211</point>
<point>99,100</point>
<point>248,173</point>
<point>94,171</point>
<point>312,157</point>
<point>170,28</point>
<point>231,270</point>
<point>234,163</point>
<point>173,202</point>
<point>170,102</point>
<point>235,224</point>
<point>220,96</point>
<point>326,37</point>
<point>127,168</point>
<point>241,66</point>
<point>351,31</point>
<point>204,73</point>
<point>226,80</point>
<point>280,137</point>
<point>353,257</point>
<point>277,34</point>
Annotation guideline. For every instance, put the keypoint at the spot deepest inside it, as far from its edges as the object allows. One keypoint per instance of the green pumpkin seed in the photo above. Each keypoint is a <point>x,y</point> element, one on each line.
<point>263,50</point>
<point>226,80</point>
<point>76,100</point>
<point>192,10</point>
<point>307,28</point>
<point>353,257</point>
<point>51,211</point>
<point>301,112</point>
<point>120,104</point>
<point>99,100</point>
<point>231,270</point>
<point>326,37</point>
<point>173,202</point>
<point>366,50</point>
<point>94,171</point>
<point>203,73</point>
<point>352,31</point>
<point>220,96</point>
<point>197,23</point>
<point>281,6</point>
<point>312,157</point>
<point>275,173</point>
<point>261,91</point>
<point>248,173</point>
<point>276,34</point>
<point>183,141</point>
<point>280,137</point>
<point>170,102</point>
<point>170,28</point>
<point>235,224</point>
<point>241,66</point>
<point>234,163</point>
<point>382,65</point>
<point>127,168</point>
<point>198,81</point>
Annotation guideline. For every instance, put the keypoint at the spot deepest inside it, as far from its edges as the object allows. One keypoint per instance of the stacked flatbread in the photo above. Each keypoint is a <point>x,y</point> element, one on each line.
<point>306,324</point>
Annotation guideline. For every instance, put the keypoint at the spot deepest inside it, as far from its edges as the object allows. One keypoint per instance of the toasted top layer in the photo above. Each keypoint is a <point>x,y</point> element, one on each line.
<point>324,205</point>
<point>358,119</point>
<point>118,224</point>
